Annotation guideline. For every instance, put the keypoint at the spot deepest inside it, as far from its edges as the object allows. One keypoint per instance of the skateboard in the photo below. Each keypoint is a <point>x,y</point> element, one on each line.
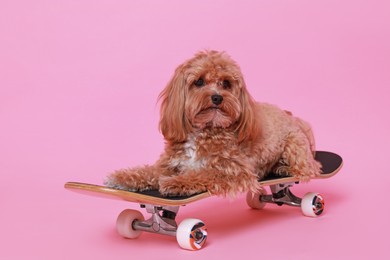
<point>191,233</point>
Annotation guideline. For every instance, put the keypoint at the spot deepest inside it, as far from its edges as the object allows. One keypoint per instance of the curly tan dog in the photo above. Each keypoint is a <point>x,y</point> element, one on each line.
<point>218,139</point>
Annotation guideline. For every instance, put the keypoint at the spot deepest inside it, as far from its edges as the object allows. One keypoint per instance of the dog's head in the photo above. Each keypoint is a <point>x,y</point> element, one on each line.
<point>207,91</point>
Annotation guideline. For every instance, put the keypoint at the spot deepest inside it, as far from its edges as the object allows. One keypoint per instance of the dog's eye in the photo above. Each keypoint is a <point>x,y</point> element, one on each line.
<point>199,82</point>
<point>226,84</point>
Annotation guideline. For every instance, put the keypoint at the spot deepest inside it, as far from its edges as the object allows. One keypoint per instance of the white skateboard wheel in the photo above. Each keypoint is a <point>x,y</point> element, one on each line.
<point>191,234</point>
<point>254,199</point>
<point>313,204</point>
<point>124,223</point>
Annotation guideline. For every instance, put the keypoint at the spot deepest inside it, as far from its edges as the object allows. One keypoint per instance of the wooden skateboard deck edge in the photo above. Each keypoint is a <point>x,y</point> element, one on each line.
<point>102,191</point>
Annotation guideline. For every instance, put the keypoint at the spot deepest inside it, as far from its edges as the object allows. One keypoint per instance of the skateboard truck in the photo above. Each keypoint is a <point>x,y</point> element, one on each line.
<point>281,194</point>
<point>162,220</point>
<point>312,204</point>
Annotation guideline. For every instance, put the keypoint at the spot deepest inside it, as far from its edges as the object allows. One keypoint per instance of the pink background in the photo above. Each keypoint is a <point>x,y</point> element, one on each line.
<point>79,82</point>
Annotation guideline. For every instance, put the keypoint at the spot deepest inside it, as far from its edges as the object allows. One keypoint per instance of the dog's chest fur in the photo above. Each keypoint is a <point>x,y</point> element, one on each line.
<point>202,148</point>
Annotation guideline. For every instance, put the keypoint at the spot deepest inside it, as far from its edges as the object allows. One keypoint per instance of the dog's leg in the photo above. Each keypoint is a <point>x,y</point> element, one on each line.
<point>184,184</point>
<point>230,179</point>
<point>297,158</point>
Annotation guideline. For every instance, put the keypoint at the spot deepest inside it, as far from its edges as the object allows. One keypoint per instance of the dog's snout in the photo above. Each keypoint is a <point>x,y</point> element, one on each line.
<point>217,99</point>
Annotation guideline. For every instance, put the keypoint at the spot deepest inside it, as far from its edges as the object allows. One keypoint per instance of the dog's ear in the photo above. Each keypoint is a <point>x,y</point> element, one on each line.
<point>249,124</point>
<point>173,123</point>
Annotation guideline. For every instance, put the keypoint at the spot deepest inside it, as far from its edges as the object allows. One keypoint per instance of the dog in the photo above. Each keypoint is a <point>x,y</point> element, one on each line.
<point>218,139</point>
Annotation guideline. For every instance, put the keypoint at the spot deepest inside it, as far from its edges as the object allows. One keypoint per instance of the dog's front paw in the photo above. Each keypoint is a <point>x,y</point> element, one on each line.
<point>177,186</point>
<point>116,183</point>
<point>132,179</point>
<point>282,171</point>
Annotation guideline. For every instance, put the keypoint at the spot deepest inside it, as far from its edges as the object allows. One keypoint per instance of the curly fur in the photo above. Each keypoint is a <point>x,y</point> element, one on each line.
<point>220,147</point>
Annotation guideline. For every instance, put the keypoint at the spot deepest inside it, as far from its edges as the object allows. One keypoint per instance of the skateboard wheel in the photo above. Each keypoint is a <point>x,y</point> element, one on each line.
<point>313,204</point>
<point>254,199</point>
<point>191,234</point>
<point>124,223</point>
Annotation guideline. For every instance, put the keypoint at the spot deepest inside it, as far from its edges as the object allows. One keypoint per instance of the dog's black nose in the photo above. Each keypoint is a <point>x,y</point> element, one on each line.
<point>217,99</point>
